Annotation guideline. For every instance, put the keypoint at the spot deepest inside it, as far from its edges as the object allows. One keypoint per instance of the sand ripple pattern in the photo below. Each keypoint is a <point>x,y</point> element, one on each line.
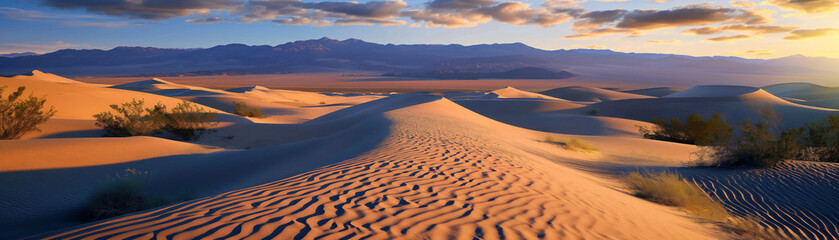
<point>421,182</point>
<point>798,199</point>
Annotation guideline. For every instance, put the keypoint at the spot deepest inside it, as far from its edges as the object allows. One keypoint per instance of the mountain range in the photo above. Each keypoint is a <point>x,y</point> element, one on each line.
<point>330,55</point>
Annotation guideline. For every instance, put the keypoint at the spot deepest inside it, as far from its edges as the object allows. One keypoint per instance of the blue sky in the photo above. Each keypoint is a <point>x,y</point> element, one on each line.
<point>738,28</point>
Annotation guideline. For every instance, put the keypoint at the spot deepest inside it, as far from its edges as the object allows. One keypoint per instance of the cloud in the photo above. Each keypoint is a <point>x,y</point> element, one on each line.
<point>760,52</point>
<point>594,47</point>
<point>467,13</point>
<point>207,20</point>
<point>811,33</point>
<point>374,9</point>
<point>664,41</point>
<point>807,6</point>
<point>741,4</point>
<point>689,15</point>
<point>145,9</point>
<point>728,38</point>
<point>459,4</point>
<point>38,48</point>
<point>756,29</point>
<point>63,19</point>
<point>635,22</point>
<point>604,31</point>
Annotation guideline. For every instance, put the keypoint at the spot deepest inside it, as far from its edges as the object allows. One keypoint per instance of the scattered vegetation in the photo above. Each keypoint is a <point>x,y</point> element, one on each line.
<point>19,116</point>
<point>571,144</point>
<point>593,112</point>
<point>186,120</point>
<point>761,144</point>
<point>132,119</point>
<point>242,109</point>
<point>671,189</point>
<point>189,121</point>
<point>695,131</point>
<point>123,195</point>
<point>820,140</point>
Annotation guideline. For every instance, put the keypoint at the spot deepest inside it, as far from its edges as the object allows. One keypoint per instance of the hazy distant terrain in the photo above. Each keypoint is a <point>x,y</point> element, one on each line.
<point>329,55</point>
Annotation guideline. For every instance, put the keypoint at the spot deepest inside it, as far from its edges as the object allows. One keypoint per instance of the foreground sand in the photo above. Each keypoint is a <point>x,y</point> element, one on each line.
<point>381,166</point>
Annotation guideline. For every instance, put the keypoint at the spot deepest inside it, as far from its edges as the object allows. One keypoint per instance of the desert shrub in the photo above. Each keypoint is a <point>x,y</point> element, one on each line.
<point>761,144</point>
<point>189,121</point>
<point>571,144</point>
<point>695,131</point>
<point>670,189</point>
<point>19,116</point>
<point>242,109</point>
<point>593,112</point>
<point>132,119</point>
<point>820,140</point>
<point>123,195</point>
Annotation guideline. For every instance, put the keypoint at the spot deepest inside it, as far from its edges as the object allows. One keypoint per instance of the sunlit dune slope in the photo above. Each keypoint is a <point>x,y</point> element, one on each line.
<point>510,92</point>
<point>441,171</point>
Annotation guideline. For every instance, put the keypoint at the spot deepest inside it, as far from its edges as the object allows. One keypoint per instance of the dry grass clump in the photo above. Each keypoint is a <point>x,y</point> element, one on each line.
<point>242,109</point>
<point>123,195</point>
<point>571,144</point>
<point>670,189</point>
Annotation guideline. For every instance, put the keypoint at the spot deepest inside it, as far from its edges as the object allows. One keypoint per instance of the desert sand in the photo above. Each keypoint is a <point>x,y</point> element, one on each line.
<point>381,165</point>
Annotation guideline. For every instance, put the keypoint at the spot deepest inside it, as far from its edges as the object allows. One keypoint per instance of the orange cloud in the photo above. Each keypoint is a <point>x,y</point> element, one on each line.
<point>811,33</point>
<point>728,38</point>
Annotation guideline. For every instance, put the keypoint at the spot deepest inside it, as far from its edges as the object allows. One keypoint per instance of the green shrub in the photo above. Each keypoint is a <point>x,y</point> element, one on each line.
<point>242,109</point>
<point>124,195</point>
<point>19,116</point>
<point>820,140</point>
<point>186,120</point>
<point>760,144</point>
<point>670,189</point>
<point>189,121</point>
<point>695,131</point>
<point>593,112</point>
<point>571,144</point>
<point>132,119</point>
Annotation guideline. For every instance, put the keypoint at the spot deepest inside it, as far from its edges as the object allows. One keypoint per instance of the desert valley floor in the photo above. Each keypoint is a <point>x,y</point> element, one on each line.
<point>425,165</point>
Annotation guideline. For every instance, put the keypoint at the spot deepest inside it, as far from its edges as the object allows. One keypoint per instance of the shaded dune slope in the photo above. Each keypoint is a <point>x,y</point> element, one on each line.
<point>589,94</point>
<point>655,92</point>
<point>797,199</point>
<point>441,172</point>
<point>734,102</point>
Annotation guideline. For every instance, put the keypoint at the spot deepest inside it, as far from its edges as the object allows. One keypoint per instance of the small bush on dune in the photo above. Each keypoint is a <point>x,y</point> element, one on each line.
<point>124,195</point>
<point>695,131</point>
<point>19,116</point>
<point>670,189</point>
<point>242,109</point>
<point>189,121</point>
<point>132,119</point>
<point>820,140</point>
<point>761,144</point>
<point>572,144</point>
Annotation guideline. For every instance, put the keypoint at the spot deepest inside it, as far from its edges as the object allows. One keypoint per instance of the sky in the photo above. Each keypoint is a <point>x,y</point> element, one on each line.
<point>744,28</point>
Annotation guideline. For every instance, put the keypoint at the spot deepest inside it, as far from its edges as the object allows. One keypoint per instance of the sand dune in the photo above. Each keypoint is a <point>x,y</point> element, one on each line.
<point>41,76</point>
<point>803,91</point>
<point>734,102</point>
<point>544,115</point>
<point>589,94</point>
<point>655,92</point>
<point>797,199</point>
<point>441,172</point>
<point>510,92</point>
<point>397,166</point>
